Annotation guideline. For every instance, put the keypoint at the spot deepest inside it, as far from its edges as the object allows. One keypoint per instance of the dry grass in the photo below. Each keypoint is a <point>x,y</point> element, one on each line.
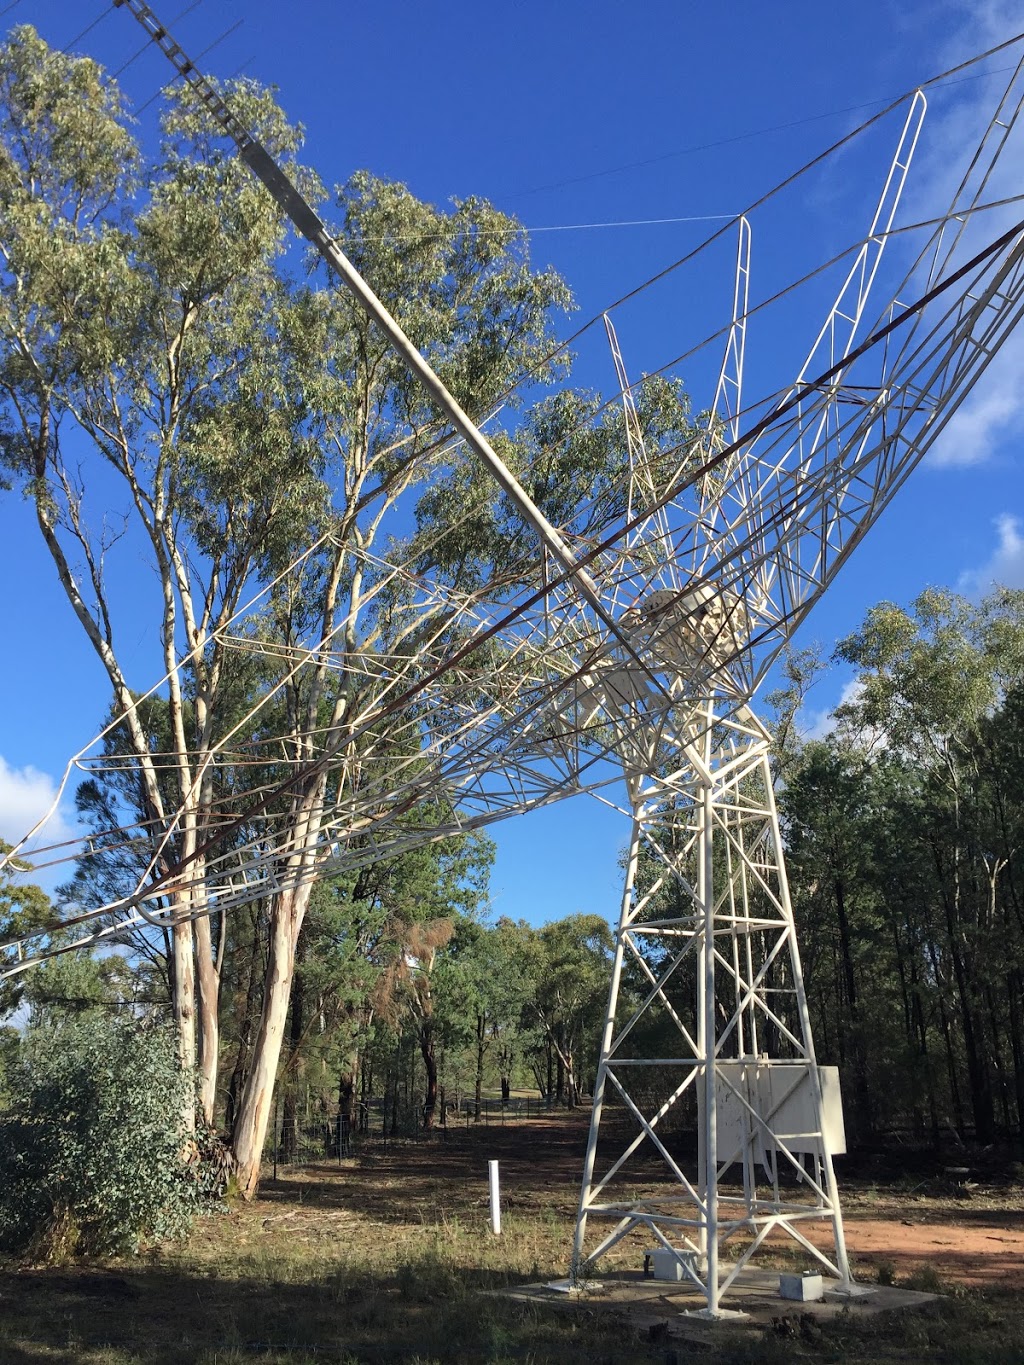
<point>385,1259</point>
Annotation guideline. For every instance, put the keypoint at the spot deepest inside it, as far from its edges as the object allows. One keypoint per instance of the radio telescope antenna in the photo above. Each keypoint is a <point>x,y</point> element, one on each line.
<point>716,1031</point>
<point>646,642</point>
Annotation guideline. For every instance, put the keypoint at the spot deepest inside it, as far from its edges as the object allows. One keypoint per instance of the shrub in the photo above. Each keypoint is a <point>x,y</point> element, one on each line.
<point>92,1155</point>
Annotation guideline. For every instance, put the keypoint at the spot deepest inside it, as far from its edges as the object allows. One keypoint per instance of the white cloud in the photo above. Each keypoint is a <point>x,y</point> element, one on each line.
<point>818,724</point>
<point>821,724</point>
<point>990,414</point>
<point>815,724</point>
<point>1005,566</point>
<point>26,794</point>
<point>989,21</point>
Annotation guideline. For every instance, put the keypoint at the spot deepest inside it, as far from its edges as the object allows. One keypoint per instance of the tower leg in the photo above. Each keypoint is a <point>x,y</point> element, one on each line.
<point>607,1040</point>
<point>828,1166</point>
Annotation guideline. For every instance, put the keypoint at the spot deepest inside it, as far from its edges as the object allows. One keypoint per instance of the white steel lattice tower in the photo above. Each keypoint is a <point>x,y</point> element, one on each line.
<point>715,1038</point>
<point>709,933</point>
<point>712,1037</point>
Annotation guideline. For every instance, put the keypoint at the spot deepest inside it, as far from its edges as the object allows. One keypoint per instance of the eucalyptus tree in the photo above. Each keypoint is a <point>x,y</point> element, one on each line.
<point>141,319</point>
<point>155,356</point>
<point>66,986</point>
<point>23,906</point>
<point>833,825</point>
<point>490,988</point>
<point>938,685</point>
<point>905,827</point>
<point>256,435</point>
<point>373,946</point>
<point>570,971</point>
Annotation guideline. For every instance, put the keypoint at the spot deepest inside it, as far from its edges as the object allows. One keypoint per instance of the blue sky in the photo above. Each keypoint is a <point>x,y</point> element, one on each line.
<point>572,113</point>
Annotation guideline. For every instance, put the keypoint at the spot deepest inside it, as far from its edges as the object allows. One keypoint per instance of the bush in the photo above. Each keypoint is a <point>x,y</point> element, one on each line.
<point>92,1156</point>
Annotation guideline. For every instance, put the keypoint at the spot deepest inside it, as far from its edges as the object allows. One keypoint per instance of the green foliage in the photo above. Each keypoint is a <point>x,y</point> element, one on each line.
<point>570,969</point>
<point>23,907</point>
<point>156,355</point>
<point>65,985</point>
<point>10,1047</point>
<point>905,833</point>
<point>567,453</point>
<point>92,1158</point>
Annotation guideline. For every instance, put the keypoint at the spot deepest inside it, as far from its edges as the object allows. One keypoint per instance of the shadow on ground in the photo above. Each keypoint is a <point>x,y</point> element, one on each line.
<point>425,1312</point>
<point>385,1259</point>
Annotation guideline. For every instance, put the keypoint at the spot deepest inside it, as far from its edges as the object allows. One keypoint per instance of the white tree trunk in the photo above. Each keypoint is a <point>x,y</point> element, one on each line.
<point>208,981</point>
<point>185,1005</point>
<point>250,1132</point>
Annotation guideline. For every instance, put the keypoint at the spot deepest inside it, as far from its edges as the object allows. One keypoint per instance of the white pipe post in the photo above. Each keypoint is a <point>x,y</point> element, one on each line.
<point>492,1181</point>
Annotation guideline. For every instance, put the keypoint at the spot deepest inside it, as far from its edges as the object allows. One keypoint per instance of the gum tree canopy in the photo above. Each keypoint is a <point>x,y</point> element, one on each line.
<point>175,388</point>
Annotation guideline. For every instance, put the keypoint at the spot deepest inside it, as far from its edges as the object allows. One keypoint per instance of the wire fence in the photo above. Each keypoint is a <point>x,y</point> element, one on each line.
<point>335,1137</point>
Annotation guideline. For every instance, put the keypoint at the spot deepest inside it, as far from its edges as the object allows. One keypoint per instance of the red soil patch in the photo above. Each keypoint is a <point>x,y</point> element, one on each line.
<point>985,1249</point>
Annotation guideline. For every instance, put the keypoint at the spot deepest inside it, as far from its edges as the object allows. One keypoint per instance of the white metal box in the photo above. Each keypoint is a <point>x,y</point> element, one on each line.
<point>781,1095</point>
<point>803,1288</point>
<point>663,1264</point>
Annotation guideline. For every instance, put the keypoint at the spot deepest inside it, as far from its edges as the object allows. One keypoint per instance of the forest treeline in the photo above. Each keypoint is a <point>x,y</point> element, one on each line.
<point>904,825</point>
<point>905,830</point>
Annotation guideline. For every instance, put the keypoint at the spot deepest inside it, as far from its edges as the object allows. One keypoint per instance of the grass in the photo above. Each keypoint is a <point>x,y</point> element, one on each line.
<point>389,1259</point>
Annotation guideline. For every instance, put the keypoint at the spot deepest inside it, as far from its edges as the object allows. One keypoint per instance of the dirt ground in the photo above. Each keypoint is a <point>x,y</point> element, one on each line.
<point>983,1247</point>
<point>967,1231</point>
<point>388,1257</point>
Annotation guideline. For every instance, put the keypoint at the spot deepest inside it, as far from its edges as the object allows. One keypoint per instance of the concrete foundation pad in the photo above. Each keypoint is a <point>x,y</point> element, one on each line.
<point>753,1300</point>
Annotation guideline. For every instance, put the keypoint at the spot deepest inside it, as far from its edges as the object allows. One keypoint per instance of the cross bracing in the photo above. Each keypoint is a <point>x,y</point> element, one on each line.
<point>623,646</point>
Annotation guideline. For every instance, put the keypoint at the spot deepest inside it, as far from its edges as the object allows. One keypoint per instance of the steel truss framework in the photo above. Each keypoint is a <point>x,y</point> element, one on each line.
<point>709,934</point>
<point>625,645</point>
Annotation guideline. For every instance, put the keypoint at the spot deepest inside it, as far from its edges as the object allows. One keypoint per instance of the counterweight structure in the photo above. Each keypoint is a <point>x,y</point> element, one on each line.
<point>624,656</point>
